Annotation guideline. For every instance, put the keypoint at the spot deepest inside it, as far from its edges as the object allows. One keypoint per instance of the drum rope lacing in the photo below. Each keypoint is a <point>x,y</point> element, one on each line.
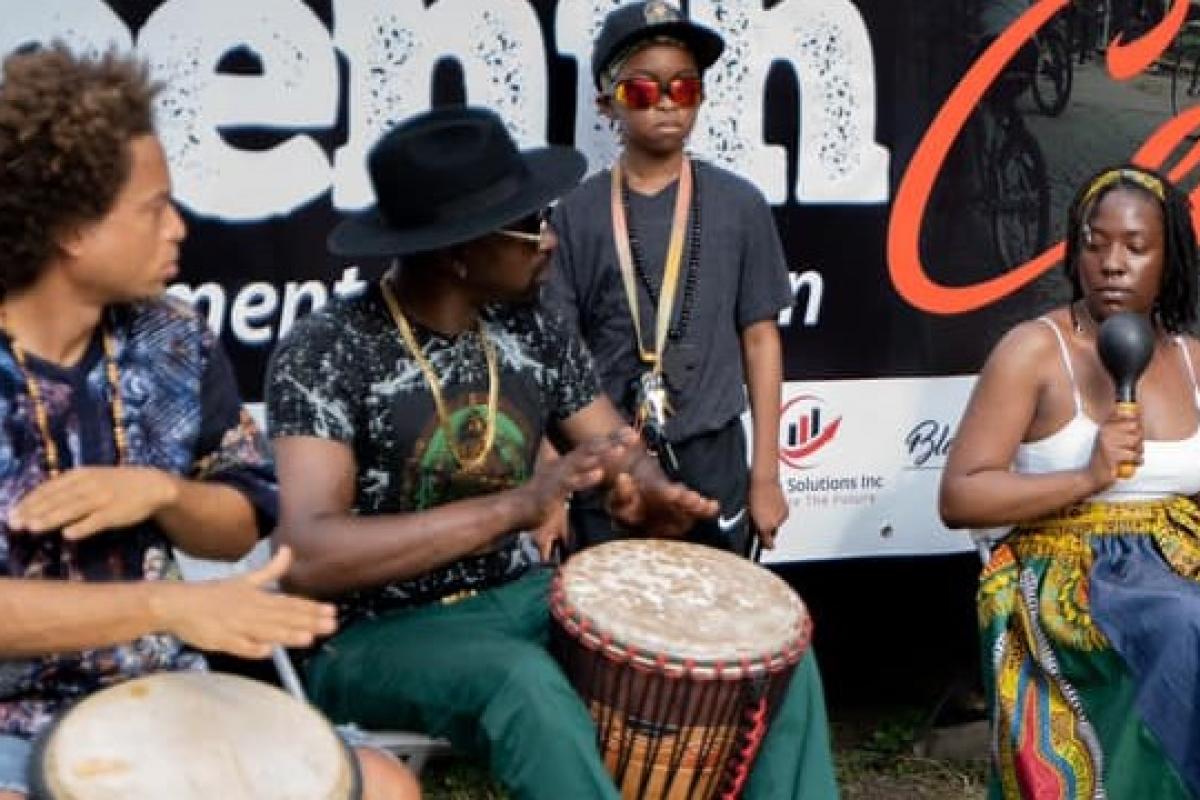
<point>739,772</point>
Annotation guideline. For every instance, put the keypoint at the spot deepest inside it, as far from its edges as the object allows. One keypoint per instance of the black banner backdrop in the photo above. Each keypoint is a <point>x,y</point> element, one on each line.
<point>997,201</point>
<point>905,264</point>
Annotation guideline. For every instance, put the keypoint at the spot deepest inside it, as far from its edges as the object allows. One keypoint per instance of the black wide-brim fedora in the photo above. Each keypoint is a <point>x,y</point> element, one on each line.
<point>449,176</point>
<point>636,22</point>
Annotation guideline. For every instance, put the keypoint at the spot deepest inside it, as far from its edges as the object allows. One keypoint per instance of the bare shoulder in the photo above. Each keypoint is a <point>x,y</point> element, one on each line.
<point>1005,401</point>
<point>1025,348</point>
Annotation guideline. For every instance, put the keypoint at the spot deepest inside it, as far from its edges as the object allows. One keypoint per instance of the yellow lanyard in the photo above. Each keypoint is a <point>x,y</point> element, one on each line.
<point>671,268</point>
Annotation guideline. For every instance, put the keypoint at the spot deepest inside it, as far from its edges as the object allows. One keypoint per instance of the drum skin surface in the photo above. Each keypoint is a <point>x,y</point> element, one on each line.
<point>681,653</point>
<point>194,735</point>
<point>686,600</point>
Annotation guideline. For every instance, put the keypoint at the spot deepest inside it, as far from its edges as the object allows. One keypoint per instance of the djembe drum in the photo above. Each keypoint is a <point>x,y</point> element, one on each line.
<point>681,653</point>
<point>193,736</point>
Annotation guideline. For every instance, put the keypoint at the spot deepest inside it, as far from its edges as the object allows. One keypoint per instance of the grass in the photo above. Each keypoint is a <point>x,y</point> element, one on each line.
<point>458,779</point>
<point>873,751</point>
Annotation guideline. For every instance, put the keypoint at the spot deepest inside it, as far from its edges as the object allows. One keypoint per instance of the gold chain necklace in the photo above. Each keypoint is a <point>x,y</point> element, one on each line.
<point>41,416</point>
<point>1083,320</point>
<point>471,463</point>
<point>1080,314</point>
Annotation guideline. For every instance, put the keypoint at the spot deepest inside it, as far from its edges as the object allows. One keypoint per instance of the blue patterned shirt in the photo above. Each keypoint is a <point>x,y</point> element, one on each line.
<point>182,414</point>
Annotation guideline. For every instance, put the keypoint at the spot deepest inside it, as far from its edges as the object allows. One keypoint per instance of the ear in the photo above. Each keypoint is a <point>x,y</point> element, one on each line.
<point>70,240</point>
<point>460,256</point>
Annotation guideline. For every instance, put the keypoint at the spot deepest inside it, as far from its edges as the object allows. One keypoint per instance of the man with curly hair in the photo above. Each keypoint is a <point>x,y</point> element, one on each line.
<point>121,431</point>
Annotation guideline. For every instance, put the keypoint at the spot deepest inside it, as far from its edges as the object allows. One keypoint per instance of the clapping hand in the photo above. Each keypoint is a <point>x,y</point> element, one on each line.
<point>643,499</point>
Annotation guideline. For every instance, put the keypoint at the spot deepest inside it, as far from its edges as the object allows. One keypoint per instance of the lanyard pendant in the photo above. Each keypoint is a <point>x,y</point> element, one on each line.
<point>653,407</point>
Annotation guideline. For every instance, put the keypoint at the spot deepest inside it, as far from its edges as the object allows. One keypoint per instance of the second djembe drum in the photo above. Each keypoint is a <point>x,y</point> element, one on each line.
<point>193,736</point>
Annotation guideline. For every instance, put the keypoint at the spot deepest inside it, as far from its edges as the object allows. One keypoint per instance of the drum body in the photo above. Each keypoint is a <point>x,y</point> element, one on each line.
<point>681,653</point>
<point>193,735</point>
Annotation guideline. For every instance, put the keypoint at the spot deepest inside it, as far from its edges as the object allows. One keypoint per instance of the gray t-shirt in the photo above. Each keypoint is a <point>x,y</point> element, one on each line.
<point>737,276</point>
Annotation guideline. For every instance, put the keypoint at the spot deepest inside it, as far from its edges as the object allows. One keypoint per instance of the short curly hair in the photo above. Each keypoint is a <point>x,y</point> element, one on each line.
<point>66,121</point>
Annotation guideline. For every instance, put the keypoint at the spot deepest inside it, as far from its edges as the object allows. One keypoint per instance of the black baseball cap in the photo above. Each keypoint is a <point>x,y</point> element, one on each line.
<point>636,22</point>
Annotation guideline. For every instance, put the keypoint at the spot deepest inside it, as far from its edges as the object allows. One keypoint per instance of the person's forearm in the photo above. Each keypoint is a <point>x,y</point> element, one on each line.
<point>1000,497</point>
<point>44,617</point>
<point>208,519</point>
<point>340,553</point>
<point>762,355</point>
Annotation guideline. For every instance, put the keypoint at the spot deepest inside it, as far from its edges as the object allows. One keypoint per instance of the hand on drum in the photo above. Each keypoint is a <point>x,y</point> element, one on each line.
<point>88,500</point>
<point>242,616</point>
<point>653,505</point>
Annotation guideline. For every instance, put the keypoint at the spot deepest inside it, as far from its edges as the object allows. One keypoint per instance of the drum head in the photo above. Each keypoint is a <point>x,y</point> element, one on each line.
<point>690,602</point>
<point>194,735</point>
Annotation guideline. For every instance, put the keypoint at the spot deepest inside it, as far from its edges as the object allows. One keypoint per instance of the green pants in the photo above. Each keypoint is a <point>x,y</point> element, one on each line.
<point>478,673</point>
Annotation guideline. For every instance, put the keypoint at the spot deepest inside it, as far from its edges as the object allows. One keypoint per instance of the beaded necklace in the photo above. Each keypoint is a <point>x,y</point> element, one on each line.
<point>468,463</point>
<point>50,455</point>
<point>679,327</point>
<point>665,305</point>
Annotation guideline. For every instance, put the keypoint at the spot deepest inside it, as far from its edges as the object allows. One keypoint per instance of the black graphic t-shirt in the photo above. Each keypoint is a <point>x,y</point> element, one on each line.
<point>344,373</point>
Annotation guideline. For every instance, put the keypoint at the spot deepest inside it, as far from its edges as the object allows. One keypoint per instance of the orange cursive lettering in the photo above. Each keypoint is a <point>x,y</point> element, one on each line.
<point>908,211</point>
<point>1129,60</point>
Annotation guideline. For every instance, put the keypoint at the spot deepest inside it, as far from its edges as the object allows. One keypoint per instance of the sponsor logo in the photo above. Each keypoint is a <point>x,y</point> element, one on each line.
<point>927,444</point>
<point>806,426</point>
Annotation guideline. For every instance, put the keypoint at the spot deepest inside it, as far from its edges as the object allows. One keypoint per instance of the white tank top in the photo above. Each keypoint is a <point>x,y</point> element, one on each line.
<point>1168,467</point>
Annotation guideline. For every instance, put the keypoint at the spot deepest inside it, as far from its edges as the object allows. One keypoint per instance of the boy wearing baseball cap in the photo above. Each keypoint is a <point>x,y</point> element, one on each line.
<point>672,271</point>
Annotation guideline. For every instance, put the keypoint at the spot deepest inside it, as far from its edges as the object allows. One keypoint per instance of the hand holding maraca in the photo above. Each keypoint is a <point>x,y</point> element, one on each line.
<point>1125,345</point>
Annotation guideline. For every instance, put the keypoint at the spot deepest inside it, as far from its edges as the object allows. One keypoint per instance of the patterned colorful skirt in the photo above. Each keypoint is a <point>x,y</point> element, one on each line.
<point>1090,623</point>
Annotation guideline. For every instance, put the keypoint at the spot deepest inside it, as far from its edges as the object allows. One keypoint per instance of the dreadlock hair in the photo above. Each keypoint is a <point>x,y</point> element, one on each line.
<point>66,122</point>
<point>1175,306</point>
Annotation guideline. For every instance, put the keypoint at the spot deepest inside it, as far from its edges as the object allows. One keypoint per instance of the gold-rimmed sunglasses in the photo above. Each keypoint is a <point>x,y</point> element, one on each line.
<point>528,229</point>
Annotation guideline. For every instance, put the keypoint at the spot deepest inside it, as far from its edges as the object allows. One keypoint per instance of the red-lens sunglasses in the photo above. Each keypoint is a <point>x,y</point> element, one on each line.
<point>644,92</point>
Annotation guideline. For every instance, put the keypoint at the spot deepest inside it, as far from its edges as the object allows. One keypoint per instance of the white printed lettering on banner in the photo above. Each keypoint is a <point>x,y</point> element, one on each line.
<point>807,287</point>
<point>256,305</point>
<point>392,50</point>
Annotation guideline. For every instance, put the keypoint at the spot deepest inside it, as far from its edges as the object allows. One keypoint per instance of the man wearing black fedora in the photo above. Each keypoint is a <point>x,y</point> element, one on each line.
<point>406,423</point>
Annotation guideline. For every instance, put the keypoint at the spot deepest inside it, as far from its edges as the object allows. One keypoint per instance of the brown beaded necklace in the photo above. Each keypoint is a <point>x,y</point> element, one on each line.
<point>52,462</point>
